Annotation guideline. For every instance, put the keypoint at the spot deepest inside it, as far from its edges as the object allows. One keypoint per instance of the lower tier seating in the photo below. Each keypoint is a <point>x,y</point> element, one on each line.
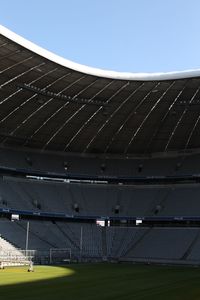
<point>89,241</point>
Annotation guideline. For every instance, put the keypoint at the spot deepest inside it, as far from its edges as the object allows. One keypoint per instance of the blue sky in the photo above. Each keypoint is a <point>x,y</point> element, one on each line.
<point>121,35</point>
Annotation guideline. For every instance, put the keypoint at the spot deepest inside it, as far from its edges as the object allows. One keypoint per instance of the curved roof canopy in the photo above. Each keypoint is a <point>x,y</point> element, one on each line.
<point>50,103</point>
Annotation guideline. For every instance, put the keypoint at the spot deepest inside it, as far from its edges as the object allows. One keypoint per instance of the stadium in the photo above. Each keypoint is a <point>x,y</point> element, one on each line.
<point>98,167</point>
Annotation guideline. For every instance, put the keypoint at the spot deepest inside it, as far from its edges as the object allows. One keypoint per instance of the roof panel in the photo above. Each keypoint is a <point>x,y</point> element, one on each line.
<point>47,102</point>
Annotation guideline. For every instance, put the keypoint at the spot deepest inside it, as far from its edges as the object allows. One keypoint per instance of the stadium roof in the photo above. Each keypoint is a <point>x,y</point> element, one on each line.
<point>50,103</point>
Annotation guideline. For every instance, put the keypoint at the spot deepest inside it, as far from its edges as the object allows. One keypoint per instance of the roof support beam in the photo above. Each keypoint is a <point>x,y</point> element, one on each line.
<point>73,115</point>
<point>180,119</point>
<point>146,117</point>
<point>108,119</point>
<point>121,105</point>
<point>153,137</point>
<point>58,110</point>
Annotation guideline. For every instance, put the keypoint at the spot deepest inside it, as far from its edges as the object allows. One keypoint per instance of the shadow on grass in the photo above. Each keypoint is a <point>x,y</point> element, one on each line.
<point>101,281</point>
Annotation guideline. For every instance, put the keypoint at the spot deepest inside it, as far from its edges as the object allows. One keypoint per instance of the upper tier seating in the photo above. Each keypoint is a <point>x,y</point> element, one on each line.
<point>100,199</point>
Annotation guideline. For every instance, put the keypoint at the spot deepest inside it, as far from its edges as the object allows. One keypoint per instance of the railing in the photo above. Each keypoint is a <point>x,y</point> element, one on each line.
<point>87,178</point>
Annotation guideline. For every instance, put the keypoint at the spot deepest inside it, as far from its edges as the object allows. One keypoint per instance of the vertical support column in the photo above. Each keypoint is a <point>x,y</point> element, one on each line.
<point>81,243</point>
<point>27,237</point>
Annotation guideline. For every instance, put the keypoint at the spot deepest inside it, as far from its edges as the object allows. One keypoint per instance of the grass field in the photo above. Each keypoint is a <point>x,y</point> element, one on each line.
<point>101,281</point>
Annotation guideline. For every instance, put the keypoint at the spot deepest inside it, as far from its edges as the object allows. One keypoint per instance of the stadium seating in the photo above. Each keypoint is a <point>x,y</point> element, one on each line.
<point>83,200</point>
<point>122,243</point>
<point>100,199</point>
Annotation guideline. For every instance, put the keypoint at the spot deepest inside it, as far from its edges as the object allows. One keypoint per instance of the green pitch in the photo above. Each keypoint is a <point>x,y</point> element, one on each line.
<point>101,281</point>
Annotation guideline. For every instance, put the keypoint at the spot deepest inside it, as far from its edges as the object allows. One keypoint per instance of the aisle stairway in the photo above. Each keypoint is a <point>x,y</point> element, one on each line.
<point>10,255</point>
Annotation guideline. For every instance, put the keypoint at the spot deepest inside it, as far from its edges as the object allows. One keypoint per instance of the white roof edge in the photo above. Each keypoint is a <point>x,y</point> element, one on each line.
<point>94,71</point>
